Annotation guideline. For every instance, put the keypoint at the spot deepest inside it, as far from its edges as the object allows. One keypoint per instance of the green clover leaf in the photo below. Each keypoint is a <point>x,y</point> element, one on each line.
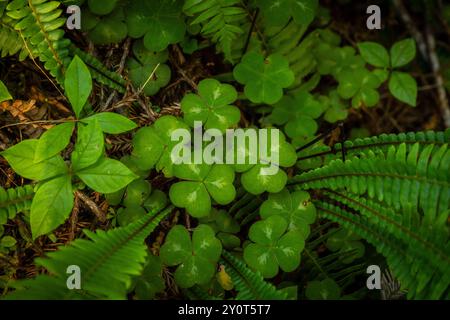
<point>360,85</point>
<point>212,106</point>
<point>151,281</point>
<point>264,79</point>
<point>225,226</point>
<point>159,21</point>
<point>152,145</point>
<point>279,12</point>
<point>255,178</point>
<point>272,248</point>
<point>336,110</point>
<point>296,208</point>
<point>105,29</point>
<point>298,114</point>
<point>346,242</point>
<point>203,183</point>
<point>334,60</point>
<point>144,65</point>
<point>196,259</point>
<point>326,289</point>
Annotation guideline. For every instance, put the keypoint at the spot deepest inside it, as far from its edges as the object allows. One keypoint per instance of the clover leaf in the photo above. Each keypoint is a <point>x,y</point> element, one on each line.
<point>298,113</point>
<point>360,85</point>
<point>148,64</point>
<point>346,242</point>
<point>272,247</point>
<point>151,281</point>
<point>279,12</point>
<point>336,110</point>
<point>196,258</point>
<point>256,178</point>
<point>296,208</point>
<point>158,21</point>
<point>153,145</point>
<point>334,60</point>
<point>225,226</point>
<point>326,289</point>
<point>212,106</point>
<point>105,29</point>
<point>203,182</point>
<point>264,79</point>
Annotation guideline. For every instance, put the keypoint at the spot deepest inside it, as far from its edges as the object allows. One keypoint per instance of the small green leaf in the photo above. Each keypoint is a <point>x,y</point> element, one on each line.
<point>326,289</point>
<point>403,87</point>
<point>151,280</point>
<point>4,93</point>
<point>191,195</point>
<point>264,79</point>
<point>7,242</point>
<point>403,52</point>
<point>112,123</point>
<point>21,158</point>
<point>78,84</point>
<point>51,205</point>
<point>53,141</point>
<point>303,11</point>
<point>159,21</point>
<point>89,147</point>
<point>212,106</point>
<point>107,176</point>
<point>374,54</point>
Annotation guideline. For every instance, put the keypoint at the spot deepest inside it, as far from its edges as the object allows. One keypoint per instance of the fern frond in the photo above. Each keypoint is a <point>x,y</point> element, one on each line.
<point>39,23</point>
<point>220,20</point>
<point>425,275</point>
<point>401,178</point>
<point>108,261</point>
<point>249,284</point>
<point>10,41</point>
<point>14,200</point>
<point>380,144</point>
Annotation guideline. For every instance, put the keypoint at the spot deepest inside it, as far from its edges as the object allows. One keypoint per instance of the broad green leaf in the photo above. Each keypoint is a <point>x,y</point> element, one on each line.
<point>130,214</point>
<point>147,147</point>
<point>212,106</point>
<point>7,242</point>
<point>205,243</point>
<point>21,158</point>
<point>4,93</point>
<point>403,87</point>
<point>106,29</point>
<point>53,141</point>
<point>403,52</point>
<point>51,205</point>
<point>288,251</point>
<point>78,84</point>
<point>159,21</point>
<point>112,123</point>
<point>374,54</point>
<point>89,147</point>
<point>264,79</point>
<point>107,175</point>
<point>191,195</point>
<point>136,192</point>
<point>261,259</point>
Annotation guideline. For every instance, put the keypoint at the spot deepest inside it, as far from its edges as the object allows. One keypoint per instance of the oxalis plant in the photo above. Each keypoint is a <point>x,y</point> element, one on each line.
<point>189,74</point>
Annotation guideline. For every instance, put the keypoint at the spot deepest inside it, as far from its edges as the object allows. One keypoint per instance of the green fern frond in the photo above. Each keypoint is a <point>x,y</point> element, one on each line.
<point>407,179</point>
<point>249,284</point>
<point>10,41</point>
<point>107,261</point>
<point>39,23</point>
<point>379,144</point>
<point>425,275</point>
<point>220,20</point>
<point>14,200</point>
